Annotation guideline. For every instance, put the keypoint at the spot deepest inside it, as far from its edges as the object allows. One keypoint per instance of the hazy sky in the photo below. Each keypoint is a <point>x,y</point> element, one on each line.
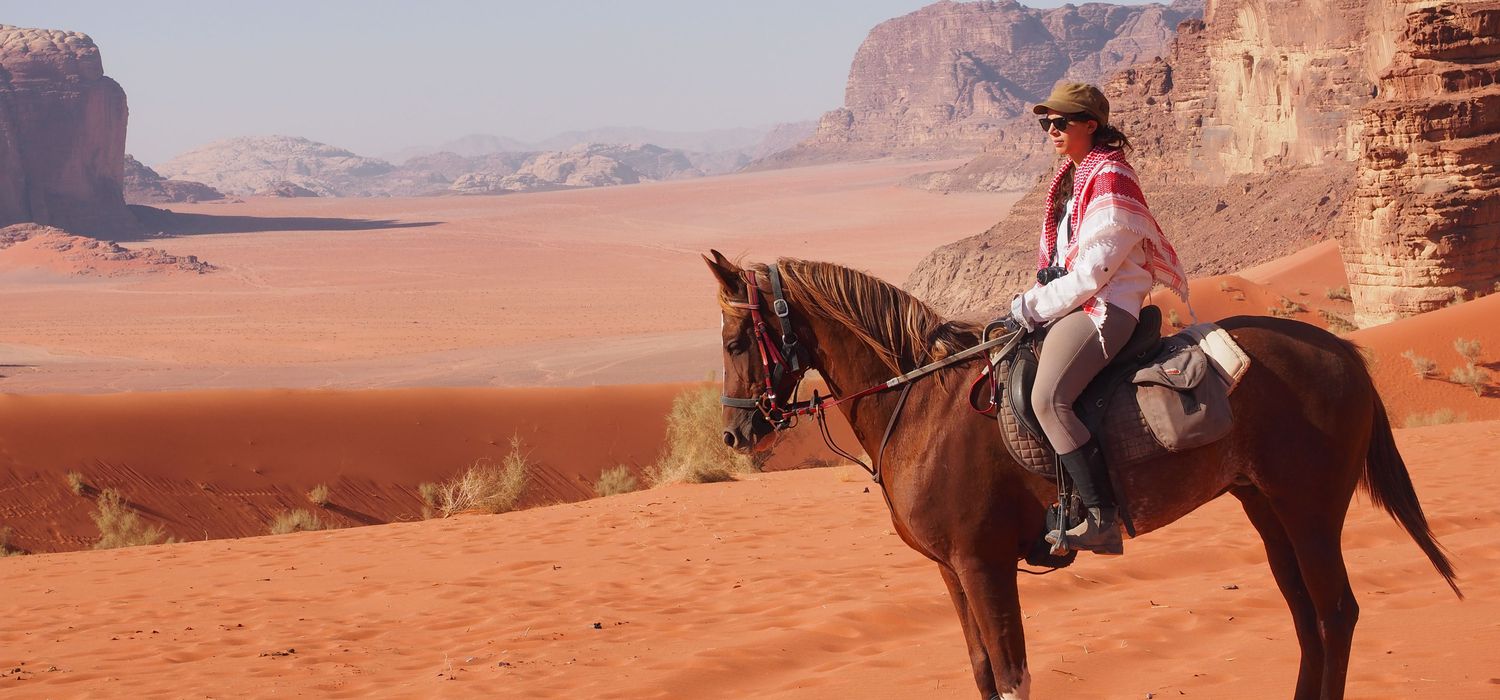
<point>376,76</point>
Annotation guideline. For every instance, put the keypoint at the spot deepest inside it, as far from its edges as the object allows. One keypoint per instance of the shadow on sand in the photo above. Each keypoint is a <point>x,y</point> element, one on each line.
<point>171,223</point>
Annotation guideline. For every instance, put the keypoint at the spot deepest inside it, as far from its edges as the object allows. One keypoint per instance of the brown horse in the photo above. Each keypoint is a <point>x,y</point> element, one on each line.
<point>1309,429</point>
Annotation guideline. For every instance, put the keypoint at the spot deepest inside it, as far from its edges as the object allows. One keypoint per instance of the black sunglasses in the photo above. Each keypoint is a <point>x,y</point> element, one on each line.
<point>1061,123</point>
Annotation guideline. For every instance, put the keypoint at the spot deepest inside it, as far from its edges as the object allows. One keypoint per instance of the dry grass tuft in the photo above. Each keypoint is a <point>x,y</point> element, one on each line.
<point>1442,416</point>
<point>1337,322</point>
<point>1286,309</point>
<point>1338,294</point>
<point>1475,378</point>
<point>120,526</point>
<point>1174,319</point>
<point>5,549</point>
<point>432,497</point>
<point>1470,350</point>
<point>1424,367</point>
<point>616,481</point>
<point>319,495</point>
<point>695,452</point>
<point>296,521</point>
<point>487,487</point>
<point>76,484</point>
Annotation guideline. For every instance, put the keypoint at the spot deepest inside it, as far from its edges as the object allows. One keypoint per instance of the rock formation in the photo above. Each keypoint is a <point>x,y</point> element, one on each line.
<point>950,77</point>
<point>247,165</point>
<point>62,134</point>
<point>44,247</point>
<point>145,186</point>
<point>1246,133</point>
<point>585,165</point>
<point>1427,207</point>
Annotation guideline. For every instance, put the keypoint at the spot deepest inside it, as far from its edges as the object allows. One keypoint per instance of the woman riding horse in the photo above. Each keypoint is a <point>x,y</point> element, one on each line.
<point>1101,253</point>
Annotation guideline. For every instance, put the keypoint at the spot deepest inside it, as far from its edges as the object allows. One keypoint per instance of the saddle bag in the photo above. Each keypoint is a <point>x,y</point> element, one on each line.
<point>1183,393</point>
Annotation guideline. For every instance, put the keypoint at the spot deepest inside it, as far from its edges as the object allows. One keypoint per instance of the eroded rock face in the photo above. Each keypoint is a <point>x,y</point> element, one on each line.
<point>585,165</point>
<point>62,134</point>
<point>145,186</point>
<point>1245,138</point>
<point>1427,207</point>
<point>948,78</point>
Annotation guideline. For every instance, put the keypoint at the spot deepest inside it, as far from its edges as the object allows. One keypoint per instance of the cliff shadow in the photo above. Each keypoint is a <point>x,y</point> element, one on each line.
<point>164,222</point>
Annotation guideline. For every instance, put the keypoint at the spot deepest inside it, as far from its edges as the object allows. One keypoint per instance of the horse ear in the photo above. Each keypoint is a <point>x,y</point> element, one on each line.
<point>727,272</point>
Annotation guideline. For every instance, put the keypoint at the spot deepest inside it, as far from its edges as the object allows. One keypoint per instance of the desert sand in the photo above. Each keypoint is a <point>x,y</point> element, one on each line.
<point>580,287</point>
<point>786,585</point>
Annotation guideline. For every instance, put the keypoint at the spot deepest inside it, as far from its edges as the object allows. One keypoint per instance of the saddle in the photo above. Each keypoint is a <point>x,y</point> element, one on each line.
<point>1158,395</point>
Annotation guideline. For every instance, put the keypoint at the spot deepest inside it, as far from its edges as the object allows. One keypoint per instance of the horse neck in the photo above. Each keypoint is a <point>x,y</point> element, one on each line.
<point>849,365</point>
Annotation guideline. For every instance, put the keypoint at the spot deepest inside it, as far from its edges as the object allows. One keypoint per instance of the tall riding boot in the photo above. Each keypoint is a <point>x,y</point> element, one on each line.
<point>1100,530</point>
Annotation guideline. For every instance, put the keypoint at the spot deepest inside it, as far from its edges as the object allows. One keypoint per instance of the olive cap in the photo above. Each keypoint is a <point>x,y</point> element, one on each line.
<point>1075,98</point>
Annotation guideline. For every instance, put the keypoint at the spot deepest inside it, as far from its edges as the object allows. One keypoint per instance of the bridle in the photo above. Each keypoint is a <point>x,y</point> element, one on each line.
<point>783,357</point>
<point>778,358</point>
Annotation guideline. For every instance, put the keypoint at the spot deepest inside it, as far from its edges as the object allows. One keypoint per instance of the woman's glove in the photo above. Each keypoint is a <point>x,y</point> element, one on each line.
<point>1018,317</point>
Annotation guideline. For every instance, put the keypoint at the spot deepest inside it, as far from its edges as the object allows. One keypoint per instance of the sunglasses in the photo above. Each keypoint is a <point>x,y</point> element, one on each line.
<point>1060,123</point>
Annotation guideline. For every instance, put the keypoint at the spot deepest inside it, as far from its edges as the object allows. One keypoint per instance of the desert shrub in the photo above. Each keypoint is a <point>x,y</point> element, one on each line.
<point>616,481</point>
<point>1458,298</point>
<point>1470,376</point>
<point>432,498</point>
<point>1423,366</point>
<point>120,526</point>
<point>296,521</point>
<point>488,487</point>
<point>1468,349</point>
<point>1338,294</point>
<point>1289,307</point>
<point>1174,319</point>
<point>5,549</point>
<point>1301,292</point>
<point>1223,285</point>
<point>76,484</point>
<point>319,495</point>
<point>1441,416</point>
<point>695,452</point>
<point>1336,322</point>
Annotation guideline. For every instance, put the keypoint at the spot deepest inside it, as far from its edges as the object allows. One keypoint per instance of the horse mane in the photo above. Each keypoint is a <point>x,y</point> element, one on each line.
<point>902,330</point>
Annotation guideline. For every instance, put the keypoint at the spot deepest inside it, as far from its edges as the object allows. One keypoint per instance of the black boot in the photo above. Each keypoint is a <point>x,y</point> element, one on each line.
<point>1100,530</point>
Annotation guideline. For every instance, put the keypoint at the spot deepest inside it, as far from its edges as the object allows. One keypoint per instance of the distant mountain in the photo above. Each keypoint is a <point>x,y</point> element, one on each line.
<point>250,164</point>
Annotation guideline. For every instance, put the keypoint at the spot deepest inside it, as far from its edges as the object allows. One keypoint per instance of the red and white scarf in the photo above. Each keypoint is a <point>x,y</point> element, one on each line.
<point>1105,184</point>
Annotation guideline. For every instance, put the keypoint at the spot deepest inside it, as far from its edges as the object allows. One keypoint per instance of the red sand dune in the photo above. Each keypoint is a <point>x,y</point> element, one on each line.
<point>787,585</point>
<point>216,464</point>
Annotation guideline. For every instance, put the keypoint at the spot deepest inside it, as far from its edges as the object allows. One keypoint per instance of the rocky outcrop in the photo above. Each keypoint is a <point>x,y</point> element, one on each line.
<point>62,134</point>
<point>950,77</point>
<point>586,165</point>
<point>1245,136</point>
<point>1427,207</point>
<point>247,165</point>
<point>35,246</point>
<point>145,186</point>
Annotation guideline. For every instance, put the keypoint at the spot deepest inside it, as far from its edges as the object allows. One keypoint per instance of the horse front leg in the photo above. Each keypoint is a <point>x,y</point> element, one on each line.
<point>989,586</point>
<point>979,658</point>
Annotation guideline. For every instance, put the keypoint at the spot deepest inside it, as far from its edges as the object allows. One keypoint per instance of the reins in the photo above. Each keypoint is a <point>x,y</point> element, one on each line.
<point>777,359</point>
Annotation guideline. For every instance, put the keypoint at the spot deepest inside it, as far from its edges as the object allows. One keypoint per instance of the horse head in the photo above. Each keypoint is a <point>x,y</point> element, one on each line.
<point>766,352</point>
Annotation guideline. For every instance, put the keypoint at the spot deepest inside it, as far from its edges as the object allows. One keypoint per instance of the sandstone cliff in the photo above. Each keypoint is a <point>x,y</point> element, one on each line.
<point>145,186</point>
<point>1246,133</point>
<point>949,78</point>
<point>62,134</point>
<point>1427,207</point>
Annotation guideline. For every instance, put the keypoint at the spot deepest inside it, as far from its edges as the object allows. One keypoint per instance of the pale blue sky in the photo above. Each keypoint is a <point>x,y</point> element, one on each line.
<point>377,76</point>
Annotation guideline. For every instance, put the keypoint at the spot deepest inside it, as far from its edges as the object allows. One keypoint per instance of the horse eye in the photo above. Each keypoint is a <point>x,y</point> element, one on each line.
<point>735,346</point>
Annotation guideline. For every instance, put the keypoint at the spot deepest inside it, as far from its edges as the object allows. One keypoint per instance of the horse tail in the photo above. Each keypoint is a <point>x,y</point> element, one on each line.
<point>1389,485</point>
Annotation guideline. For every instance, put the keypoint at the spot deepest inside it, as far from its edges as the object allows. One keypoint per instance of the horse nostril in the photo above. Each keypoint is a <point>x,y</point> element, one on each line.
<point>730,438</point>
